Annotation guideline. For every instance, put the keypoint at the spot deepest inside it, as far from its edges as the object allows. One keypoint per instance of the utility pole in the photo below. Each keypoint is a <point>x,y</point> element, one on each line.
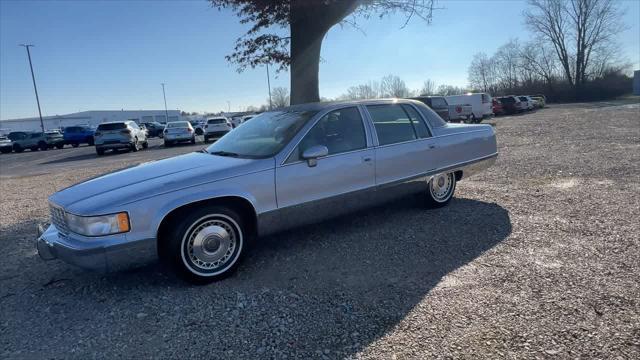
<point>166,113</point>
<point>35,89</point>
<point>269,86</point>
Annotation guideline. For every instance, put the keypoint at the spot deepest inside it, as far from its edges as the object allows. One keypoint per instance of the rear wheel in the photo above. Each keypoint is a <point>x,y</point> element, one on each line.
<point>135,146</point>
<point>100,152</point>
<point>60,146</point>
<point>6,150</point>
<point>145,144</point>
<point>205,245</point>
<point>17,148</point>
<point>440,190</point>
<point>167,143</point>
<point>43,146</point>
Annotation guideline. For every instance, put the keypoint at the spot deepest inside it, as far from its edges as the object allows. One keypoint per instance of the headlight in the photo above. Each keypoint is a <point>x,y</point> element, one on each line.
<point>99,225</point>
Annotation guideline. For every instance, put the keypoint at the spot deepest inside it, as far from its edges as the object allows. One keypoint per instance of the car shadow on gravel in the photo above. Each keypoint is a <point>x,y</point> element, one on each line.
<point>333,287</point>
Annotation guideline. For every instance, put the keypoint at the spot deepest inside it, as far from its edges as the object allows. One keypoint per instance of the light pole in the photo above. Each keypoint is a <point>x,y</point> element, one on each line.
<point>166,113</point>
<point>35,89</point>
<point>269,86</point>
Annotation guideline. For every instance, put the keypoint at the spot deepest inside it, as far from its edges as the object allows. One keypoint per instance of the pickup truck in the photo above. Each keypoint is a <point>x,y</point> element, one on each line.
<point>449,113</point>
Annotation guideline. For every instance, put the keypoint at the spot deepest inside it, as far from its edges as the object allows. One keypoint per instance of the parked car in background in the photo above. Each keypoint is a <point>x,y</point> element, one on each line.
<point>28,140</point>
<point>54,138</point>
<point>216,127</point>
<point>6,146</point>
<point>510,104</point>
<point>179,131</point>
<point>497,107</point>
<point>481,105</point>
<point>200,212</point>
<point>540,101</point>
<point>527,104</point>
<point>437,103</point>
<point>118,135</point>
<point>76,135</point>
<point>246,118</point>
<point>154,129</point>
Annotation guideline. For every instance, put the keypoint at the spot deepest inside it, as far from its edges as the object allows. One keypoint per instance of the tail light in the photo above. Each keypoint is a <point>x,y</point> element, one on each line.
<point>127,131</point>
<point>189,129</point>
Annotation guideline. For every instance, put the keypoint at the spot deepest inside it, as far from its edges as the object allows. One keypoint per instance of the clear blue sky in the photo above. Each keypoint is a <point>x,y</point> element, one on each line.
<point>92,55</point>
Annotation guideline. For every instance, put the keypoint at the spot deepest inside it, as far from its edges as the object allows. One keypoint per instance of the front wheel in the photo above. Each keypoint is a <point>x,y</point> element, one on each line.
<point>205,245</point>
<point>43,146</point>
<point>168,144</point>
<point>440,190</point>
<point>60,146</point>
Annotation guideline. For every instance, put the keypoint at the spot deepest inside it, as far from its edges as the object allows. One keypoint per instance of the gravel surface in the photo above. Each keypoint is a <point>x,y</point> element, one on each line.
<point>538,257</point>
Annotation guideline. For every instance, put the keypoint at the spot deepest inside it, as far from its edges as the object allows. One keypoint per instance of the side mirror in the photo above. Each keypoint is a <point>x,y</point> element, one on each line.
<point>313,153</point>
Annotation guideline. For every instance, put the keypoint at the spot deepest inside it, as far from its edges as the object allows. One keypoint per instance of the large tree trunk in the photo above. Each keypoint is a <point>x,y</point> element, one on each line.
<point>306,43</point>
<point>309,22</point>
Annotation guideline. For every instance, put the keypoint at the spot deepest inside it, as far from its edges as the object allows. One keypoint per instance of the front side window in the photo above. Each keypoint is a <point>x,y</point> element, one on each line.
<point>263,136</point>
<point>340,131</point>
<point>392,124</point>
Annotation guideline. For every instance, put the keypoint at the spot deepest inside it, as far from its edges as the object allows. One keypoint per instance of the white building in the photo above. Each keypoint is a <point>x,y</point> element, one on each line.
<point>92,118</point>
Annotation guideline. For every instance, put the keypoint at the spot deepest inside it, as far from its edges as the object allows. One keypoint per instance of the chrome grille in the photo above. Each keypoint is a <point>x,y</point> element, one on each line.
<point>59,219</point>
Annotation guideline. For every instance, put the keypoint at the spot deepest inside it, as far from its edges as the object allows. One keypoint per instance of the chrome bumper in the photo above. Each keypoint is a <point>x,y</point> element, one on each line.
<point>103,255</point>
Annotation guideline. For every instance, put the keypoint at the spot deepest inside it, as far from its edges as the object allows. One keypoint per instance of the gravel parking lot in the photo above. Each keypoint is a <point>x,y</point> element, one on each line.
<point>537,257</point>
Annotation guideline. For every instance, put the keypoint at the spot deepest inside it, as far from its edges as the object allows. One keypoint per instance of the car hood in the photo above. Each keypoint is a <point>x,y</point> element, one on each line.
<point>111,190</point>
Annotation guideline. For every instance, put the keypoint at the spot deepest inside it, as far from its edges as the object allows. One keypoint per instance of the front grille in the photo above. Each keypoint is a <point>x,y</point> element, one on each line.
<point>59,219</point>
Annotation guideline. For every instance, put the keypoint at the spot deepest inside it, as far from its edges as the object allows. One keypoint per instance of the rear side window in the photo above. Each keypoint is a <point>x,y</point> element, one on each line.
<point>392,124</point>
<point>340,131</point>
<point>112,126</point>
<point>418,123</point>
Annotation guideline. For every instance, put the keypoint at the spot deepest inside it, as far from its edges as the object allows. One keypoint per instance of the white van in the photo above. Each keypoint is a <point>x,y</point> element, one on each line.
<point>481,104</point>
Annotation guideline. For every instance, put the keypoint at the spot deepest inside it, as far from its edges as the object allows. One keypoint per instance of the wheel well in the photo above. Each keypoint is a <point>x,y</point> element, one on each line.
<point>238,204</point>
<point>458,175</point>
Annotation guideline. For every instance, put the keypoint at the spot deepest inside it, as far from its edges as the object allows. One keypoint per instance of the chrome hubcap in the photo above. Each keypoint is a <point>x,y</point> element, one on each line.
<point>211,244</point>
<point>441,186</point>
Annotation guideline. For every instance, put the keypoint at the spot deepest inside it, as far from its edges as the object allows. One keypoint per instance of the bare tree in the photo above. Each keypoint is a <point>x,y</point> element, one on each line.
<point>482,72</point>
<point>279,97</point>
<point>289,33</point>
<point>428,88</point>
<point>446,90</point>
<point>507,64</point>
<point>576,29</point>
<point>393,86</point>
<point>370,90</point>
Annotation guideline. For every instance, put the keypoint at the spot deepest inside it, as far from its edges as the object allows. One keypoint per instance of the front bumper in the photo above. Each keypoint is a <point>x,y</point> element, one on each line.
<point>103,254</point>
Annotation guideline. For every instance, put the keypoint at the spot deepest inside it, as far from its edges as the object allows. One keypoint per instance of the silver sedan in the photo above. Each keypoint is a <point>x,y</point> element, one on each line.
<point>200,212</point>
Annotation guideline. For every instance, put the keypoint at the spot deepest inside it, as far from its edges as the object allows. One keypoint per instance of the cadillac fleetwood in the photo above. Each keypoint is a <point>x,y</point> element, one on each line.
<point>200,212</point>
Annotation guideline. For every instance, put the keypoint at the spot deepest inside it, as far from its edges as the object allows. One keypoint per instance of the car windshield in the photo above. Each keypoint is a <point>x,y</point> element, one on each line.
<point>264,136</point>
<point>178,124</point>
<point>112,126</point>
<point>522,98</point>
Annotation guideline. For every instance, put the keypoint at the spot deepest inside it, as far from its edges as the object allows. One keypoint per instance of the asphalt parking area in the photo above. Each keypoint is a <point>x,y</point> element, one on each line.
<point>537,257</point>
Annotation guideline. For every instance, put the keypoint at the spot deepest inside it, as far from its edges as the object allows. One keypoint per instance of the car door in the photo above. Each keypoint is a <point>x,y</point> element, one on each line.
<point>405,149</point>
<point>338,182</point>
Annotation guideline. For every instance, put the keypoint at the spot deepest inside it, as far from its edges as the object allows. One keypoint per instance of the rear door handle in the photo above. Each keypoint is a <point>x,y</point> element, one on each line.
<point>366,159</point>
<point>432,146</point>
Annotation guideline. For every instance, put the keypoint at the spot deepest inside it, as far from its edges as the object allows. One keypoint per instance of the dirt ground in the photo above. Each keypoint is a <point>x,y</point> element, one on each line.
<point>538,257</point>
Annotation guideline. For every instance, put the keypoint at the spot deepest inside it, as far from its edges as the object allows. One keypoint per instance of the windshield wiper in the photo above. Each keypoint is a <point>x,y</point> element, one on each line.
<point>224,153</point>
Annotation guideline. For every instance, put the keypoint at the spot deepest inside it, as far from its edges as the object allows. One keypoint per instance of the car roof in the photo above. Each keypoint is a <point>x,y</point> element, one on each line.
<point>341,103</point>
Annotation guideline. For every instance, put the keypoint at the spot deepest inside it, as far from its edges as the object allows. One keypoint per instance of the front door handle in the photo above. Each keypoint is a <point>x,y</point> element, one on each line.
<point>432,146</point>
<point>366,159</point>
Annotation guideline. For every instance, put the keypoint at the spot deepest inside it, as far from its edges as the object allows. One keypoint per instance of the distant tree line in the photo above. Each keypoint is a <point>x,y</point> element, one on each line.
<point>574,54</point>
